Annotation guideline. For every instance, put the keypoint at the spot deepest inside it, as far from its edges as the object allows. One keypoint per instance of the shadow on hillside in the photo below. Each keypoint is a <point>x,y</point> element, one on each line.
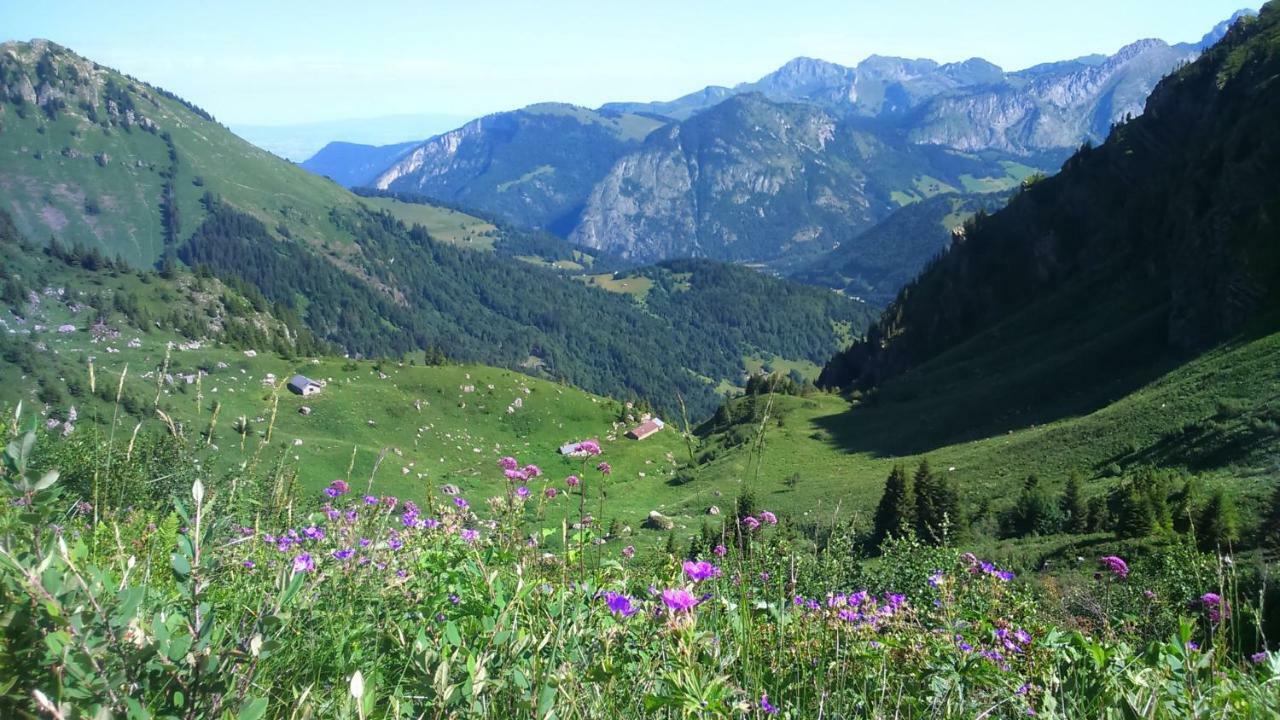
<point>963,397</point>
<point>908,424</point>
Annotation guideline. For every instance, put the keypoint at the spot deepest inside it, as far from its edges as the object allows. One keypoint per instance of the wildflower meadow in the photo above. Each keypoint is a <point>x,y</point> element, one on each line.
<point>225,603</point>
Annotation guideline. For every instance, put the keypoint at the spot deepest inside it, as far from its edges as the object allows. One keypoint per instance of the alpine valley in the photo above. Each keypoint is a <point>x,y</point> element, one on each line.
<point>897,390</point>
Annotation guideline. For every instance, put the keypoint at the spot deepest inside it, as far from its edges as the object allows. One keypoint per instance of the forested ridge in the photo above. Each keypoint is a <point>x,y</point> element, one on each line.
<point>476,307</point>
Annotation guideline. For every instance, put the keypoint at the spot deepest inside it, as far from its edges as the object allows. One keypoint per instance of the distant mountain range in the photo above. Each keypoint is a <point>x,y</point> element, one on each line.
<point>1158,243</point>
<point>776,171</point>
<point>299,141</point>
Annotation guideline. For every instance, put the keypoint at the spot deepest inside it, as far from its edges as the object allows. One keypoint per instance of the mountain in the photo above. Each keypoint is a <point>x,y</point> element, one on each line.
<point>299,141</point>
<point>95,157</point>
<point>355,165</point>
<point>1158,244</point>
<point>752,180</point>
<point>591,175</point>
<point>533,166</point>
<point>875,264</point>
<point>974,104</point>
<point>105,165</point>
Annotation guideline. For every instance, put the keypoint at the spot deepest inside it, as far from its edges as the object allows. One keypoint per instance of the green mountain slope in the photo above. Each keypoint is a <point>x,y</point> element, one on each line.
<point>877,263</point>
<point>113,163</point>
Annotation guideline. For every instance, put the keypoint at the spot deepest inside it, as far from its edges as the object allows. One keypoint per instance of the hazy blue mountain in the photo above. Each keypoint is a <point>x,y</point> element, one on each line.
<point>355,165</point>
<point>299,141</point>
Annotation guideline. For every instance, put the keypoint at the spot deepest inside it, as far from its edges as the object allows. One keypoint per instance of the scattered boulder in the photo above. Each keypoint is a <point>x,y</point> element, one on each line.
<point>658,521</point>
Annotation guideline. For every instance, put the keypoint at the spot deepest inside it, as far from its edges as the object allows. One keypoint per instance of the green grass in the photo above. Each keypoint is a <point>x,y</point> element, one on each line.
<point>636,286</point>
<point>843,452</point>
<point>532,174</point>
<point>756,364</point>
<point>444,224</point>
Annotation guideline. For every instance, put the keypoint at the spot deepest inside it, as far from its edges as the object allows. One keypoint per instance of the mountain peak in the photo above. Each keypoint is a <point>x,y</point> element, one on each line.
<point>1220,30</point>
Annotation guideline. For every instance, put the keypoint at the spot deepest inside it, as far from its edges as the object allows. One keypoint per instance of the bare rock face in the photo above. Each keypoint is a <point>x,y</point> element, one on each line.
<point>751,180</point>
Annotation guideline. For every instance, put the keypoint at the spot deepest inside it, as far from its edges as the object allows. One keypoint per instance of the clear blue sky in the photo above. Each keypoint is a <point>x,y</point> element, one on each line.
<point>285,61</point>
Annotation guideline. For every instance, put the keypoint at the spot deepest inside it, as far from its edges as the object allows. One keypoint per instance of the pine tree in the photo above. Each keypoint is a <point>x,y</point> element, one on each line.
<point>896,511</point>
<point>1219,525</point>
<point>1075,513</point>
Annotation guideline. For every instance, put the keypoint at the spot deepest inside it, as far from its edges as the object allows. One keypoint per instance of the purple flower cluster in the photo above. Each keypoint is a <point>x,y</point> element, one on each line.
<point>336,488</point>
<point>982,567</point>
<point>1215,606</point>
<point>1118,568</point>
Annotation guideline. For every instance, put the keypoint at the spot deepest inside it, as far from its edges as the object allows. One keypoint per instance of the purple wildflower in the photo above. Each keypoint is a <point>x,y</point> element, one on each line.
<point>314,533</point>
<point>679,600</point>
<point>629,552</point>
<point>766,706</point>
<point>751,523</point>
<point>1259,657</point>
<point>551,493</point>
<point>303,563</point>
<point>720,550</point>
<point>332,492</point>
<point>461,503</point>
<point>370,499</point>
<point>588,447</point>
<point>469,535</point>
<point>620,604</point>
<point>508,463</point>
<point>572,481</point>
<point>768,518</point>
<point>532,471</point>
<point>344,554</point>
<point>395,543</point>
<point>522,492</point>
<point>701,570</point>
<point>605,468</point>
<point>248,564</point>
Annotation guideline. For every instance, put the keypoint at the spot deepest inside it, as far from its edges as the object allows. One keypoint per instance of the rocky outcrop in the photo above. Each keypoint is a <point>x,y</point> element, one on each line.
<point>758,181</point>
<point>534,167</point>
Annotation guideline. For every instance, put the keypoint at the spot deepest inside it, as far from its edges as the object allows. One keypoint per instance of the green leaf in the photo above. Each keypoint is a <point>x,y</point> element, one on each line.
<point>180,564</point>
<point>45,482</point>
<point>252,709</point>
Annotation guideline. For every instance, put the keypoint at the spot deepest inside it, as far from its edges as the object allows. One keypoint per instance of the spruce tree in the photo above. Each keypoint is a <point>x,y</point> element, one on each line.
<point>937,504</point>
<point>1219,525</point>
<point>1271,522</point>
<point>896,511</point>
<point>1075,513</point>
<point>925,496</point>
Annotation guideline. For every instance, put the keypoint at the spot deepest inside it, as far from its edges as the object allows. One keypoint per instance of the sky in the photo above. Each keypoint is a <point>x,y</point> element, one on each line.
<point>279,62</point>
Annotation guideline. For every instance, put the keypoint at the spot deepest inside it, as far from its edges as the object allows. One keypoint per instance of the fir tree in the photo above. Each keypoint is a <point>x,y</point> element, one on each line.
<point>1074,510</point>
<point>1219,525</point>
<point>937,504</point>
<point>896,511</point>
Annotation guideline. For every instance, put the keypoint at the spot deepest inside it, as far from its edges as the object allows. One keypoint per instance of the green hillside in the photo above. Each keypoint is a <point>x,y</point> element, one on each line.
<point>877,263</point>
